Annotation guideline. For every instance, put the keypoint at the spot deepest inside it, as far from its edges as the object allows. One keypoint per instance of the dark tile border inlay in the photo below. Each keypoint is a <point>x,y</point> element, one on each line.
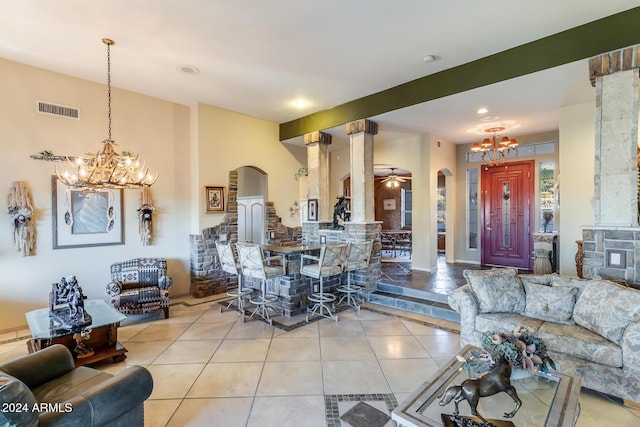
<point>332,410</point>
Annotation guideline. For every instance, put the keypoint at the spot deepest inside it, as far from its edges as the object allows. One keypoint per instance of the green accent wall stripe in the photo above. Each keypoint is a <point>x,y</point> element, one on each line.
<point>588,40</point>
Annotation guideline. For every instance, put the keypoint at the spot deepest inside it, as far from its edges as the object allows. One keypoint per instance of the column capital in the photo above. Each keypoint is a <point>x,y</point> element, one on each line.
<point>363,125</point>
<point>624,59</point>
<point>317,136</point>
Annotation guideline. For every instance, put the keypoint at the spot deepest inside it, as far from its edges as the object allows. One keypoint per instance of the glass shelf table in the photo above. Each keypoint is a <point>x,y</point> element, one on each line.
<point>103,332</point>
<point>549,400</point>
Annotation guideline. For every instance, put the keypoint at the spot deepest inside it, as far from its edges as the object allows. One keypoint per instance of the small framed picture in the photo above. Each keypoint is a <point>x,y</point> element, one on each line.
<point>215,199</point>
<point>389,204</point>
<point>312,209</point>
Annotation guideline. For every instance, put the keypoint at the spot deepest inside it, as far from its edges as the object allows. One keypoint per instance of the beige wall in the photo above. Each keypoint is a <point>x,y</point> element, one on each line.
<point>159,130</point>
<point>229,140</point>
<point>191,147</point>
<point>577,151</point>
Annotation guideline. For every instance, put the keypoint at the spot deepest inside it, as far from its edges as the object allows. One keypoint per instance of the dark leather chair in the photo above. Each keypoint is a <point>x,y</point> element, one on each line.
<point>63,395</point>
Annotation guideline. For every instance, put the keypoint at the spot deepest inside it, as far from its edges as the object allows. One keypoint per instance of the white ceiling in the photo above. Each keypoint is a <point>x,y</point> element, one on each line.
<point>257,57</point>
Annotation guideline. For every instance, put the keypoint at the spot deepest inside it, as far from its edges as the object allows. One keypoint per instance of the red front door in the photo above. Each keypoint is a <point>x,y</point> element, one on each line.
<point>507,214</point>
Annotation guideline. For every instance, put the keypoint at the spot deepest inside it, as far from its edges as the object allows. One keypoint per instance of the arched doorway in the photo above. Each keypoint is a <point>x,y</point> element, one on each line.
<point>252,194</point>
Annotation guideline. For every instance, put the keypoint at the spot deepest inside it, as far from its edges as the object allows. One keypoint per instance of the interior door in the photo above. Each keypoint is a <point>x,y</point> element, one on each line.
<point>507,207</point>
<point>251,219</point>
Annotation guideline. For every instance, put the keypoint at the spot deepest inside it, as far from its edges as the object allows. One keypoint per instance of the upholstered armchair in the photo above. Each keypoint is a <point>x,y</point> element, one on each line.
<point>140,286</point>
<point>46,389</point>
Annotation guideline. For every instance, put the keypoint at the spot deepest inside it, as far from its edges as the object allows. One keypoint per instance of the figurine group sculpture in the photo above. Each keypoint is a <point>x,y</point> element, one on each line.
<point>497,380</point>
<point>66,304</point>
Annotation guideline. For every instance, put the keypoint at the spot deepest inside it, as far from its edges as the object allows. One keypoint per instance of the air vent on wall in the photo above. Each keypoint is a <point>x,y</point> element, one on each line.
<point>57,110</point>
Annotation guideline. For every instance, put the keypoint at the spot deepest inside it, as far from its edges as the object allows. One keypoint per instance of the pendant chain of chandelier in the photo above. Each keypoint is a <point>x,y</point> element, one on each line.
<point>495,149</point>
<point>107,168</point>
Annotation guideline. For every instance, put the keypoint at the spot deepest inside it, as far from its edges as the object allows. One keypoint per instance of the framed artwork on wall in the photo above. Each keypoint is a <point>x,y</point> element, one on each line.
<point>312,209</point>
<point>214,197</point>
<point>389,204</point>
<point>83,218</point>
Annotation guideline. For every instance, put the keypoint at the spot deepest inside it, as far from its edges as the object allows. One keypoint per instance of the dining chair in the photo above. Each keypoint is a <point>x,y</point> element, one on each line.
<point>230,264</point>
<point>329,263</point>
<point>255,265</point>
<point>358,257</point>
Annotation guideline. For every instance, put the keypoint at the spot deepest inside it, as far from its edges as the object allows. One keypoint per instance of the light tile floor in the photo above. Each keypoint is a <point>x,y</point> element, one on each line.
<point>211,369</point>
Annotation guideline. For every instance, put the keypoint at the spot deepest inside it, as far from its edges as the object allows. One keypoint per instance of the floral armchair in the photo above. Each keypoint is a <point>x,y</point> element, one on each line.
<point>140,286</point>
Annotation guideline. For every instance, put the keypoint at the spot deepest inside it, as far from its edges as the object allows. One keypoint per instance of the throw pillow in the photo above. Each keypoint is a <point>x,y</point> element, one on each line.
<point>498,290</point>
<point>554,304</point>
<point>607,308</point>
<point>572,282</point>
<point>17,403</point>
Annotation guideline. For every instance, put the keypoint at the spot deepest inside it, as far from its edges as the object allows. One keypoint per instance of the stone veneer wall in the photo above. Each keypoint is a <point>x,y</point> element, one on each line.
<point>612,253</point>
<point>206,276</point>
<point>357,232</point>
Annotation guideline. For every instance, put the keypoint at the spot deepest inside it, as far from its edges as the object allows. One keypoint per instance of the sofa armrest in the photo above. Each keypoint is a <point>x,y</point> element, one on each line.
<point>104,402</point>
<point>631,350</point>
<point>465,302</point>
<point>164,282</point>
<point>42,366</point>
<point>114,288</point>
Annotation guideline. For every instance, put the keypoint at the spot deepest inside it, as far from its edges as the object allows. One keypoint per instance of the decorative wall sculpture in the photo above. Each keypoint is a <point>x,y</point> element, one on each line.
<point>145,216</point>
<point>23,230</point>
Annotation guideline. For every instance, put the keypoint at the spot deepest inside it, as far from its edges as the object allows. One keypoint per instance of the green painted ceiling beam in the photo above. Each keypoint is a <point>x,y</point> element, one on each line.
<point>604,35</point>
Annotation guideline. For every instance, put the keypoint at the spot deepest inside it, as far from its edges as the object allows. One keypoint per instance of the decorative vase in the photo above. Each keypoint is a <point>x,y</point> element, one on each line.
<point>579,259</point>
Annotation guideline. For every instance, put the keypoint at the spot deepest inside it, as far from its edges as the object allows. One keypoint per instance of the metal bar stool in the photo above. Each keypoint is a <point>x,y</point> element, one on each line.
<point>230,264</point>
<point>358,256</point>
<point>255,265</point>
<point>329,263</point>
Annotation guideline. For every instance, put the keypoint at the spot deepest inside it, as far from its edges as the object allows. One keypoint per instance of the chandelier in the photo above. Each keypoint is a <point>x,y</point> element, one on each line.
<point>106,168</point>
<point>495,148</point>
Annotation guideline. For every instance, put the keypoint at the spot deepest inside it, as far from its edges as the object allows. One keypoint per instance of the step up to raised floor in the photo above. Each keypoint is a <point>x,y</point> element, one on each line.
<point>414,300</point>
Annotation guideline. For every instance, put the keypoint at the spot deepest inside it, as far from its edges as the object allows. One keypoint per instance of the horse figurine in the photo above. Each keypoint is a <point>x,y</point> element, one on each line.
<point>496,380</point>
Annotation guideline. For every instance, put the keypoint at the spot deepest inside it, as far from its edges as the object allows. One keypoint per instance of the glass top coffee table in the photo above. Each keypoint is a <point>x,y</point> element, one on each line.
<point>102,332</point>
<point>548,400</point>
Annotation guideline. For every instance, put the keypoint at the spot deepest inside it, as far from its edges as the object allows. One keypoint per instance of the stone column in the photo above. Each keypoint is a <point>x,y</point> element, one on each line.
<point>318,167</point>
<point>615,76</point>
<point>361,134</point>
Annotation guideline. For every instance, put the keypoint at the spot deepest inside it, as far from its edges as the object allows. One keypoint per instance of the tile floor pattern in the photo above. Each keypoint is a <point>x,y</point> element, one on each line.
<point>211,369</point>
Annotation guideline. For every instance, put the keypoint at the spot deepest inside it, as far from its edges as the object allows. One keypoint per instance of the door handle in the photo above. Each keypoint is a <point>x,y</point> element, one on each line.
<point>488,227</point>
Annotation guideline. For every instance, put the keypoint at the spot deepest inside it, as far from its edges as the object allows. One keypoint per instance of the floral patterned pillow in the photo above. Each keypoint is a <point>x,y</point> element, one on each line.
<point>554,304</point>
<point>607,308</point>
<point>498,290</point>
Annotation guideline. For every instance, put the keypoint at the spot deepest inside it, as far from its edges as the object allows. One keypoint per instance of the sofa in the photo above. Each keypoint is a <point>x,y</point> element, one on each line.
<point>46,389</point>
<point>591,327</point>
<point>140,286</point>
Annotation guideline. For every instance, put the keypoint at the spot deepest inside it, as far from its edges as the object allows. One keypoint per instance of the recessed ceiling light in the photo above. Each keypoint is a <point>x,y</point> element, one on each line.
<point>189,69</point>
<point>482,110</point>
<point>300,103</point>
<point>429,58</point>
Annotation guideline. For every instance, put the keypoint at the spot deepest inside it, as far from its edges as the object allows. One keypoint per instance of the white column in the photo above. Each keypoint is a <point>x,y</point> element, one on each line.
<point>616,147</point>
<point>361,134</point>
<point>318,167</point>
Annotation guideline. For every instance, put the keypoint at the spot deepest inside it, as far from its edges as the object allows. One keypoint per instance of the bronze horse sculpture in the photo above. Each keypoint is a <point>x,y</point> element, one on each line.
<point>496,380</point>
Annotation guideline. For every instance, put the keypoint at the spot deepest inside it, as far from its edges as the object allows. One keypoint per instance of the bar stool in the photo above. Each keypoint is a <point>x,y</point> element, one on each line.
<point>230,264</point>
<point>329,263</point>
<point>358,256</point>
<point>255,265</point>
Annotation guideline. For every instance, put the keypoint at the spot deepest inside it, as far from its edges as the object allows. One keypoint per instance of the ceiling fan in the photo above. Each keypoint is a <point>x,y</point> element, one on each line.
<point>393,179</point>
